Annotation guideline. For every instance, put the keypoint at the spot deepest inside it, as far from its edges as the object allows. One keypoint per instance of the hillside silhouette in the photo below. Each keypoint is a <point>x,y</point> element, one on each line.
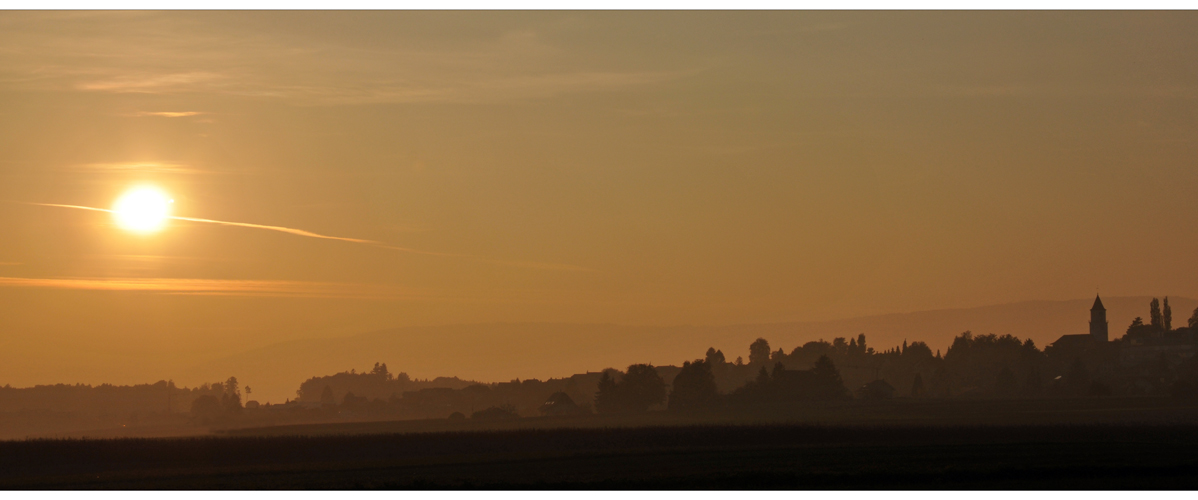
<point>506,351</point>
<point>1145,364</point>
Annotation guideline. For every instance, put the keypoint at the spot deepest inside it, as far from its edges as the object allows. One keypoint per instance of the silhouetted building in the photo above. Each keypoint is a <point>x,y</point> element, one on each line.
<point>1082,345</point>
<point>1173,347</point>
<point>1141,346</point>
<point>1098,322</point>
<point>1093,349</point>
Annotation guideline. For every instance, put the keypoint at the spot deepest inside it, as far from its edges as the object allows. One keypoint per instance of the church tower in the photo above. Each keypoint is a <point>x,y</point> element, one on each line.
<point>1098,324</point>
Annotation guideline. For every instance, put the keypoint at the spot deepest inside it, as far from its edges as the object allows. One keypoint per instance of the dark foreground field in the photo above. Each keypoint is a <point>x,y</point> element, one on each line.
<point>740,457</point>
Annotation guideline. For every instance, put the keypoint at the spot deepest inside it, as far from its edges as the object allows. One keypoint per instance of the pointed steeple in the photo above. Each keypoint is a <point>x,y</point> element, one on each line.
<point>1098,322</point>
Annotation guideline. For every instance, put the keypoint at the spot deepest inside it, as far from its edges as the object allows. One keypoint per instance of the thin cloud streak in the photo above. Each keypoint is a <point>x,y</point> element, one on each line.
<point>379,244</point>
<point>170,114</point>
<point>282,229</point>
<point>172,54</point>
<point>151,83</point>
<point>218,287</point>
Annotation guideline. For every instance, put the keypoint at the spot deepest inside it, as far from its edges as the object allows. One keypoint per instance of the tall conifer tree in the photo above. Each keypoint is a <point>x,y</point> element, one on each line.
<point>1168,316</point>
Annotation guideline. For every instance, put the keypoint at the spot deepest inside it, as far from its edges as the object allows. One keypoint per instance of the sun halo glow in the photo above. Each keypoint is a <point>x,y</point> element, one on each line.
<point>142,210</point>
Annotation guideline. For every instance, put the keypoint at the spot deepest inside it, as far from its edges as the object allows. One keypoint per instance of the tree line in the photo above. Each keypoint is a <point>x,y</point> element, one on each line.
<point>973,366</point>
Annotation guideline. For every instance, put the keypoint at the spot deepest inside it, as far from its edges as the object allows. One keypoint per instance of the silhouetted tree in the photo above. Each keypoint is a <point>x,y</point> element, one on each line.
<point>917,390</point>
<point>806,354</point>
<point>975,362</point>
<point>777,372</point>
<point>763,377</point>
<point>375,383</point>
<point>1139,329</point>
<point>839,346</point>
<point>1167,316</point>
<point>352,403</point>
<point>606,399</point>
<point>1155,314</point>
<point>232,397</point>
<point>759,352</point>
<point>694,387</point>
<point>380,369</point>
<point>827,379</point>
<point>714,357</point>
<point>232,402</point>
<point>918,351</point>
<point>741,361</point>
<point>642,387</point>
<point>326,396</point>
<point>1194,319</point>
<point>206,407</point>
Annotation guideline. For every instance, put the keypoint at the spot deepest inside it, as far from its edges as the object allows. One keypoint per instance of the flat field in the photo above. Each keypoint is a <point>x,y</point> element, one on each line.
<point>1084,444</point>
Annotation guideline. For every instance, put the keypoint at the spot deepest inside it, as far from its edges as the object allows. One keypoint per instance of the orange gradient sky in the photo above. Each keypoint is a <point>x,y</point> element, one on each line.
<point>644,168</point>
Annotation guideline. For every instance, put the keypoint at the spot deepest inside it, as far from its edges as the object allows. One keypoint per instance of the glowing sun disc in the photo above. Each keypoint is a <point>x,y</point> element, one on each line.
<point>142,210</point>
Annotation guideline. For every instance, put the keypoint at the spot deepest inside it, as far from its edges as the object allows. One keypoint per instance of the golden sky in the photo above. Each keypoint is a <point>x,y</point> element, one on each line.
<point>641,168</point>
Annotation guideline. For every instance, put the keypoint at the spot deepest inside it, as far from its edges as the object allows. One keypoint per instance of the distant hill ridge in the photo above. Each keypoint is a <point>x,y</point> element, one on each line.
<point>504,351</point>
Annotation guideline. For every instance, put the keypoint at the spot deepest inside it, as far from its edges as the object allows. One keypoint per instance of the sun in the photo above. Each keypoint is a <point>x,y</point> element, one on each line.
<point>143,209</point>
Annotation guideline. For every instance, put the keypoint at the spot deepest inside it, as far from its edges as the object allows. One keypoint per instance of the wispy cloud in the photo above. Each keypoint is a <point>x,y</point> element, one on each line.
<point>163,53</point>
<point>251,288</point>
<point>10,263</point>
<point>379,244</point>
<point>151,83</point>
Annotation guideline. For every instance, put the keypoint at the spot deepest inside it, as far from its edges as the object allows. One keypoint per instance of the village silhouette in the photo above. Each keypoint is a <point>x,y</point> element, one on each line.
<point>1150,359</point>
<point>998,400</point>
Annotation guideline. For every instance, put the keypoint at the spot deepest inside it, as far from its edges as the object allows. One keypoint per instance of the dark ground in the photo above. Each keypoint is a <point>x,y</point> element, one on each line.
<point>1056,448</point>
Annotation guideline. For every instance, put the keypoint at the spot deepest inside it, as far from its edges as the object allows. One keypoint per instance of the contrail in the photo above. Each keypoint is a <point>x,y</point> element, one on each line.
<point>301,232</point>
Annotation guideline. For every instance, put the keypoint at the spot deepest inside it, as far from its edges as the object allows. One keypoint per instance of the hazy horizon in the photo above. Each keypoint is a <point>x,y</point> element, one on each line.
<point>330,174</point>
<point>500,352</point>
